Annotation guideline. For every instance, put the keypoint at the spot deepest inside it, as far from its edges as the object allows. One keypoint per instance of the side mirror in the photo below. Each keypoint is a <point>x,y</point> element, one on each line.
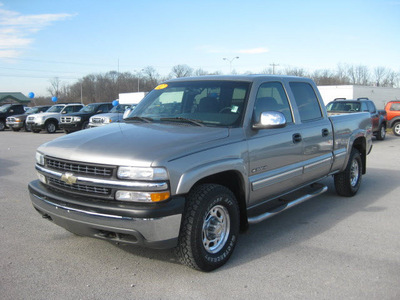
<point>99,111</point>
<point>269,120</point>
<point>64,112</point>
<point>11,110</point>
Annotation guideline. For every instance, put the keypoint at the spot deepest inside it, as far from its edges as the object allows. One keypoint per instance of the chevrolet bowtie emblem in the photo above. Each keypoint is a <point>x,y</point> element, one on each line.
<point>68,178</point>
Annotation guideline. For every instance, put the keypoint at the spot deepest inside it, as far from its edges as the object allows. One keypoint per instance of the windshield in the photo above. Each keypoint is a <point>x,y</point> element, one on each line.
<point>32,110</point>
<point>4,107</point>
<point>88,108</point>
<point>343,106</point>
<point>55,108</point>
<point>210,103</point>
<point>120,108</point>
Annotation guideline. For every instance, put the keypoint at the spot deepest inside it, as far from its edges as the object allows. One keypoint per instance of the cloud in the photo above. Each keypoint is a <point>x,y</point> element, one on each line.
<point>259,50</point>
<point>16,30</point>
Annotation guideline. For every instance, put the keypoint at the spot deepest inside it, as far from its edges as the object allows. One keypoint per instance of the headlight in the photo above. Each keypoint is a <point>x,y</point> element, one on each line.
<point>107,120</point>
<point>133,196</point>
<point>76,119</point>
<point>17,119</point>
<point>140,173</point>
<point>39,158</point>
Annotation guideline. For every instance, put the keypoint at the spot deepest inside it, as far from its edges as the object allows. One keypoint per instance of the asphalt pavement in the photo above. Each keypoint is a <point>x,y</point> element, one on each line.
<point>327,248</point>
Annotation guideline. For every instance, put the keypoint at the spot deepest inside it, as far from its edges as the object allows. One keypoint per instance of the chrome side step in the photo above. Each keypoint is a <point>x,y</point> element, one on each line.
<point>279,209</point>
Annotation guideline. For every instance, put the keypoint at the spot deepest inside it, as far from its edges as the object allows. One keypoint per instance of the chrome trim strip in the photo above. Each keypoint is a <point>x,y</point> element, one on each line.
<point>140,186</point>
<point>57,206</point>
<point>324,162</point>
<point>276,178</point>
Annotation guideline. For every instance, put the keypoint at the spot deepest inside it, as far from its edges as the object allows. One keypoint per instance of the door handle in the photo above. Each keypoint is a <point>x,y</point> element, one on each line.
<point>325,132</point>
<point>296,138</point>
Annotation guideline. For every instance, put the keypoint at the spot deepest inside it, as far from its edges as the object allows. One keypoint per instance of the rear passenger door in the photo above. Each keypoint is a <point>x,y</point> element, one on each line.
<point>275,155</point>
<point>316,132</point>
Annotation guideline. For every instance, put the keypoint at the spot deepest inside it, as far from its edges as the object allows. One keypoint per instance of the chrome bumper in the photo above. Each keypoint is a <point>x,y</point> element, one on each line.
<point>153,232</point>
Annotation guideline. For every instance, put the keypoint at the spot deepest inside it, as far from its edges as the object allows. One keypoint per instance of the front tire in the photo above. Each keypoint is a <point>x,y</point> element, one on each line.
<point>51,127</point>
<point>210,227</point>
<point>2,125</point>
<point>396,128</point>
<point>347,183</point>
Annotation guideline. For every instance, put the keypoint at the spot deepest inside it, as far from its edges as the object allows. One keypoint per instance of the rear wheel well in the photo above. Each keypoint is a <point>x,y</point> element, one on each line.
<point>234,182</point>
<point>361,145</point>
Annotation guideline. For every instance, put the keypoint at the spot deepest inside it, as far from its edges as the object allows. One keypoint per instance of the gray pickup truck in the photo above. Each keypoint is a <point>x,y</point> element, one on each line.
<point>198,160</point>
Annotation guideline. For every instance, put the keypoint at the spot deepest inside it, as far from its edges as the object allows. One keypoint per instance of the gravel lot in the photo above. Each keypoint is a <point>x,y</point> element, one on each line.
<point>327,248</point>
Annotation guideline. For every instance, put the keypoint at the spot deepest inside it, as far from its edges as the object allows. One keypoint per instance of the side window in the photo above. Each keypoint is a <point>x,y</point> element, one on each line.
<point>364,106</point>
<point>395,107</point>
<point>371,107</point>
<point>76,108</point>
<point>306,100</point>
<point>103,108</point>
<point>271,96</point>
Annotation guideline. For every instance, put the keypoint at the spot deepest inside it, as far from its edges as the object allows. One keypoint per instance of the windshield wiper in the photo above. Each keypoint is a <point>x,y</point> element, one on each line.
<point>184,120</point>
<point>137,118</point>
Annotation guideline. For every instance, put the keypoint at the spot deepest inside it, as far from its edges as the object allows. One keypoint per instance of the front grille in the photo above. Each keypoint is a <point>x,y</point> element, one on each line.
<point>79,168</point>
<point>10,119</point>
<point>66,119</point>
<point>97,120</point>
<point>79,187</point>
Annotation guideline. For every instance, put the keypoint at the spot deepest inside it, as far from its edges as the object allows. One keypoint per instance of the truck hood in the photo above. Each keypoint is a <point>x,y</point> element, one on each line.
<point>133,144</point>
<point>46,114</point>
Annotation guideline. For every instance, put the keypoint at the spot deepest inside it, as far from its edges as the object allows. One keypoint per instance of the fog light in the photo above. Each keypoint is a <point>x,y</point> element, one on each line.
<point>42,178</point>
<point>133,196</point>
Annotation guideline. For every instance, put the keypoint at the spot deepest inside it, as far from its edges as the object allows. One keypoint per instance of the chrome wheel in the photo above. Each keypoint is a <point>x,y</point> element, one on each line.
<point>216,228</point>
<point>354,173</point>
<point>396,128</point>
<point>383,131</point>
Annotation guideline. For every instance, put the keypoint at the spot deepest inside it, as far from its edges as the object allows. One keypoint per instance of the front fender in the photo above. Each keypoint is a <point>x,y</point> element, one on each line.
<point>197,173</point>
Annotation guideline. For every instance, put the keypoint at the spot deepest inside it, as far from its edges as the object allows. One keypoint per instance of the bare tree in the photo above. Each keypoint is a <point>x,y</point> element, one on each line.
<point>181,71</point>
<point>54,89</point>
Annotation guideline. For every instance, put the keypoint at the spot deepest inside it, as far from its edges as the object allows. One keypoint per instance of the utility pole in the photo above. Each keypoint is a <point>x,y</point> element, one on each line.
<point>273,65</point>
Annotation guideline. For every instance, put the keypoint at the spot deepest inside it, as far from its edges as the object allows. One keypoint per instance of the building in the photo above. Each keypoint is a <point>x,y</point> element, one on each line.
<point>14,98</point>
<point>380,95</point>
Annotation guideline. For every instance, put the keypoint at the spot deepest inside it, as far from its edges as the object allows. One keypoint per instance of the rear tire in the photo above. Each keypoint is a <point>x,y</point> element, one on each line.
<point>396,128</point>
<point>347,183</point>
<point>210,227</point>
<point>381,133</point>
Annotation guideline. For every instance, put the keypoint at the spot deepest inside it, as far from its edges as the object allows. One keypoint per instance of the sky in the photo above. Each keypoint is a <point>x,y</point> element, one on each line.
<point>41,40</point>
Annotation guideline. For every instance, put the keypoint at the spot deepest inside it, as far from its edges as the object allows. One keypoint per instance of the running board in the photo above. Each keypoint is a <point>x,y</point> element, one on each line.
<point>279,209</point>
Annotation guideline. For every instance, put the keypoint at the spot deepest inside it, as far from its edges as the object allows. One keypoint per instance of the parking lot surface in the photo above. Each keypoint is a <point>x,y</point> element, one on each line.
<point>327,248</point>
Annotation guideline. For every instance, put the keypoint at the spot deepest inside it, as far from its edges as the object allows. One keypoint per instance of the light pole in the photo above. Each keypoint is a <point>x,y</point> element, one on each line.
<point>138,78</point>
<point>230,62</point>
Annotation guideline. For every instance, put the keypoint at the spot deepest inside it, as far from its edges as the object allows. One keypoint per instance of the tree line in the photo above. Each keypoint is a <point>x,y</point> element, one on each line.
<point>105,87</point>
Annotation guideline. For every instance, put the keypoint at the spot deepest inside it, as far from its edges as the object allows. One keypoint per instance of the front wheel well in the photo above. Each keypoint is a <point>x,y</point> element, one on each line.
<point>234,182</point>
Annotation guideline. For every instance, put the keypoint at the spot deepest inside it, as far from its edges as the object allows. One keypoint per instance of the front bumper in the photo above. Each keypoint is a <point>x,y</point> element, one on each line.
<point>155,226</point>
<point>70,126</point>
<point>36,126</point>
<point>16,125</point>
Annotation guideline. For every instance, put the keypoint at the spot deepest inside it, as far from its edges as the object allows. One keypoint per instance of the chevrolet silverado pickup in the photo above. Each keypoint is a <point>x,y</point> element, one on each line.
<point>346,106</point>
<point>198,160</point>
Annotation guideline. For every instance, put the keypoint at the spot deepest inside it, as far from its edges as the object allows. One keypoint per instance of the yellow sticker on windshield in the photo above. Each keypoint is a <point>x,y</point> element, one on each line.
<point>161,86</point>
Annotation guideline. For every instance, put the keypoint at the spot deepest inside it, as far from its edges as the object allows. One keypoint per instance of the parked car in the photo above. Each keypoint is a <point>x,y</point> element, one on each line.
<point>115,115</point>
<point>199,159</point>
<point>19,121</point>
<point>345,106</point>
<point>80,120</point>
<point>50,119</point>
<point>392,109</point>
<point>7,110</point>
